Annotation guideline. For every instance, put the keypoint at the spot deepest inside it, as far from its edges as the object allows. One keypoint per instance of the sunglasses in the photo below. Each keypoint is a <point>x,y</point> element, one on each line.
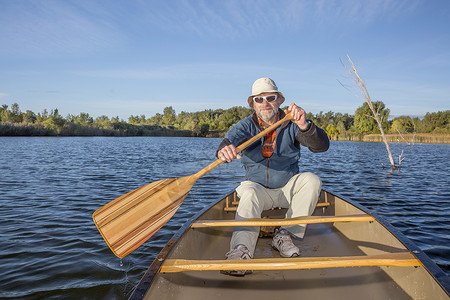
<point>269,98</point>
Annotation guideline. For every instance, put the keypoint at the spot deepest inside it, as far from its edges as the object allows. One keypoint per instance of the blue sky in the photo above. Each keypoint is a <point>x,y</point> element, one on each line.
<point>122,58</point>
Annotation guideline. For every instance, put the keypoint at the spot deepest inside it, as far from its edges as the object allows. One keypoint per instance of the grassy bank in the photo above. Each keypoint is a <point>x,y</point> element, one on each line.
<point>71,129</point>
<point>429,138</point>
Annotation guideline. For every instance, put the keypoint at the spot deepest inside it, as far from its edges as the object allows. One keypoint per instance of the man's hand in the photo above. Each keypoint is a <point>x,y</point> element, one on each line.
<point>299,115</point>
<point>228,153</point>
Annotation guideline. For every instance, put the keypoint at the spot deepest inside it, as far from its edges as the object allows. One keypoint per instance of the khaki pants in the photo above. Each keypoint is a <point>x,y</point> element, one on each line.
<point>299,195</point>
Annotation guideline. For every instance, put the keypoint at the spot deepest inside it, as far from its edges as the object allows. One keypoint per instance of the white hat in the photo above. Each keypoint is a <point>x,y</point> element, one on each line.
<point>264,85</point>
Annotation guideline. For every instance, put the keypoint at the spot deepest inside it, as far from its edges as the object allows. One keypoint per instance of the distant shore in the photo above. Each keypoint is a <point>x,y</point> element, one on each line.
<point>433,128</point>
<point>32,130</point>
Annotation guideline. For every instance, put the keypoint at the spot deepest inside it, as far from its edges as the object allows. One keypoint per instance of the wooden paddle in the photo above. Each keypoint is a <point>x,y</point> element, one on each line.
<point>128,221</point>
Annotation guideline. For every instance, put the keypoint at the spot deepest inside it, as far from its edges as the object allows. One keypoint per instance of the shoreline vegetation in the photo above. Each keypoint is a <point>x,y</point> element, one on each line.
<point>432,128</point>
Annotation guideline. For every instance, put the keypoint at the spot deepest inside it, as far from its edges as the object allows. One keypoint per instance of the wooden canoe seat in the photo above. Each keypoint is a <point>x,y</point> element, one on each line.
<point>401,259</point>
<point>281,222</point>
<point>235,205</point>
<point>232,202</point>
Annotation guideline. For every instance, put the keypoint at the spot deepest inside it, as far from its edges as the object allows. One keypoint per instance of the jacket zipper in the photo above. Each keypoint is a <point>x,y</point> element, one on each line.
<point>268,164</point>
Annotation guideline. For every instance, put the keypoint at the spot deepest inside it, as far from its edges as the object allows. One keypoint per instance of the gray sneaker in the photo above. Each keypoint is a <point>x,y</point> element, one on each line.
<point>283,243</point>
<point>239,252</point>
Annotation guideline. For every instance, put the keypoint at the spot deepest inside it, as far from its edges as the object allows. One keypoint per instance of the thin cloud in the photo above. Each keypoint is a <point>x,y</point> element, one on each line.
<point>226,18</point>
<point>74,27</point>
<point>49,28</point>
<point>361,12</point>
<point>187,71</point>
<point>239,19</point>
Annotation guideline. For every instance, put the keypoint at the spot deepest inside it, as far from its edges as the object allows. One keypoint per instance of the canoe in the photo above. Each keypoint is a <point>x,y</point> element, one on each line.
<point>347,253</point>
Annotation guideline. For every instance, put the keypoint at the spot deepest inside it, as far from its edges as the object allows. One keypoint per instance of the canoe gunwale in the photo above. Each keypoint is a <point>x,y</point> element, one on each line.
<point>441,278</point>
<point>433,269</point>
<point>429,265</point>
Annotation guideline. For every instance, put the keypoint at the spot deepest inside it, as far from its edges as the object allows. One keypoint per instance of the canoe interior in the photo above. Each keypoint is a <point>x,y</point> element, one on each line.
<point>321,240</point>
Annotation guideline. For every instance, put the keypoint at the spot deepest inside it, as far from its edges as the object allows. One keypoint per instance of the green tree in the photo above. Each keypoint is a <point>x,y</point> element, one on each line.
<point>182,120</point>
<point>42,116</point>
<point>340,127</point>
<point>84,119</point>
<point>438,122</point>
<point>15,115</point>
<point>331,130</point>
<point>169,116</point>
<point>137,120</point>
<point>102,122</point>
<point>134,120</point>
<point>403,124</point>
<point>54,121</point>
<point>57,118</point>
<point>29,117</point>
<point>118,124</point>
<point>156,119</point>
<point>345,121</point>
<point>4,113</point>
<point>201,130</point>
<point>12,115</point>
<point>364,123</point>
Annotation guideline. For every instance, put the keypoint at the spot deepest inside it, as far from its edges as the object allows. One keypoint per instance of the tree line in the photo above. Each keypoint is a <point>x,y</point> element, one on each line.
<point>14,122</point>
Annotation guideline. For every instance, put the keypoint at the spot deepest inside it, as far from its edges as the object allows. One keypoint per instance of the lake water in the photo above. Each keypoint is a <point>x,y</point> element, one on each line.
<point>49,188</point>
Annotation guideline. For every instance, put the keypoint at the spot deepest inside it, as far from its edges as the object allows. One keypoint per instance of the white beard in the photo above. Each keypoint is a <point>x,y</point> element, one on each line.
<point>268,117</point>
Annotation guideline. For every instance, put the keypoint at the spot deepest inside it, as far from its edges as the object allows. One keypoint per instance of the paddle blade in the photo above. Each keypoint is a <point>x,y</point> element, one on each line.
<point>128,221</point>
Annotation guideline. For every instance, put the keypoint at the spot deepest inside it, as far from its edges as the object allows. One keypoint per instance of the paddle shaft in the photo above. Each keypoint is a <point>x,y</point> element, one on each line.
<point>244,145</point>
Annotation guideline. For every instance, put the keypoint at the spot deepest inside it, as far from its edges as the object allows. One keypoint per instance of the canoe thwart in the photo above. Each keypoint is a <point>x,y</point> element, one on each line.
<point>234,208</point>
<point>283,222</point>
<point>402,259</point>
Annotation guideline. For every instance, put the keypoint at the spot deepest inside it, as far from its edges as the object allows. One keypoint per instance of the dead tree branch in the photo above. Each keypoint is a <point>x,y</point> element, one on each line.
<point>362,86</point>
<point>400,159</point>
<point>409,144</point>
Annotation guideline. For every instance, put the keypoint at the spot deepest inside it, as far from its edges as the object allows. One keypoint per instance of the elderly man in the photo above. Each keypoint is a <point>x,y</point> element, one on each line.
<point>272,171</point>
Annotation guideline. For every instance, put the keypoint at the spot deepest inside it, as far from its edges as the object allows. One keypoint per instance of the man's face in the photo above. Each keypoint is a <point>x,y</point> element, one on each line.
<point>266,110</point>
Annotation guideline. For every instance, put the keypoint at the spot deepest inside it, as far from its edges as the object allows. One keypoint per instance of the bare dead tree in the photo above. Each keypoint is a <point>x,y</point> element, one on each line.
<point>376,113</point>
<point>400,159</point>
<point>400,134</point>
